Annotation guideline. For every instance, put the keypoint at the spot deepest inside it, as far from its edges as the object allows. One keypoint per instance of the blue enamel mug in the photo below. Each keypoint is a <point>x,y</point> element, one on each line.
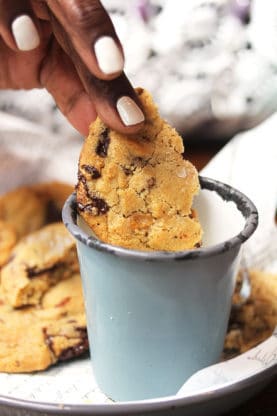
<point>154,317</point>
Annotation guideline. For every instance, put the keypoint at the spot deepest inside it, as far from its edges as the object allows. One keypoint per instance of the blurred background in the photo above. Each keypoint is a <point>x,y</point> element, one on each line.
<point>211,66</point>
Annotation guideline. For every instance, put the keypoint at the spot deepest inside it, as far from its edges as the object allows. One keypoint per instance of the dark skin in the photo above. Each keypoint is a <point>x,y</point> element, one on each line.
<point>64,62</point>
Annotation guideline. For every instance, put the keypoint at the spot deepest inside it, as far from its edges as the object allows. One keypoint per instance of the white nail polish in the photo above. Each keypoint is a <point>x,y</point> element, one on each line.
<point>25,33</point>
<point>109,57</point>
<point>129,112</point>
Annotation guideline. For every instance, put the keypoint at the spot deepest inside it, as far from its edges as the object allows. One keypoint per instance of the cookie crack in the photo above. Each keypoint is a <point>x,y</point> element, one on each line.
<point>35,271</point>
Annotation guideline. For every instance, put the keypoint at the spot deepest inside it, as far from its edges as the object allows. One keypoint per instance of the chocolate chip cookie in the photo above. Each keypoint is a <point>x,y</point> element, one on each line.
<point>23,210</point>
<point>8,238</point>
<point>30,207</point>
<point>37,262</point>
<point>34,338</point>
<point>137,192</point>
<point>253,321</point>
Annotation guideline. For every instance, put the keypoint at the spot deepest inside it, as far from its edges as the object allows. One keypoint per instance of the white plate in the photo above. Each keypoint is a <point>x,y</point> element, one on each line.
<point>71,389</point>
<point>28,155</point>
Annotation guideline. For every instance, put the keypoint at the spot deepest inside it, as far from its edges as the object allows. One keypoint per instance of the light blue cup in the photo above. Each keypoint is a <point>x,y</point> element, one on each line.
<point>155,318</point>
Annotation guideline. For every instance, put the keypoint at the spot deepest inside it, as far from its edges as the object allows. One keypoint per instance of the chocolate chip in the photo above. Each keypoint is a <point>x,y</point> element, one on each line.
<point>151,182</point>
<point>139,161</point>
<point>97,207</point>
<point>95,174</point>
<point>103,144</point>
<point>81,177</point>
<point>81,207</point>
<point>101,205</point>
<point>82,180</point>
<point>35,271</point>
<point>53,213</point>
<point>74,351</point>
<point>127,171</point>
<point>70,352</point>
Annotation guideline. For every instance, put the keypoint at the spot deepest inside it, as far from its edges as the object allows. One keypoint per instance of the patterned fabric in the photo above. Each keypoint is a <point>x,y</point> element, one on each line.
<point>211,65</point>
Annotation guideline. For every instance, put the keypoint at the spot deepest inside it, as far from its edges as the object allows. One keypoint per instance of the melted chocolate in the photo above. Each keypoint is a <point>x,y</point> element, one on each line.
<point>70,352</point>
<point>98,206</point>
<point>34,271</point>
<point>75,351</point>
<point>94,173</point>
<point>101,205</point>
<point>103,144</point>
<point>53,213</point>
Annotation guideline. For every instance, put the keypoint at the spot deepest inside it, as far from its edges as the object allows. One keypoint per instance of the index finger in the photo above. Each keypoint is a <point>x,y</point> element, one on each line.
<point>92,34</point>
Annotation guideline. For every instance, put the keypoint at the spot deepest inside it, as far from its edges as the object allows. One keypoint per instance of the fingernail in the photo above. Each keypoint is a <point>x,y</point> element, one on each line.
<point>129,112</point>
<point>25,33</point>
<point>109,57</point>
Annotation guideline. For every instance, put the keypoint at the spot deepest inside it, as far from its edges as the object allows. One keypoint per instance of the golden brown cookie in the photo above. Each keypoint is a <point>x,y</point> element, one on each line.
<point>23,210</point>
<point>8,240</point>
<point>53,194</point>
<point>34,338</point>
<point>67,295</point>
<point>137,192</point>
<point>253,321</point>
<point>37,262</point>
<point>30,207</point>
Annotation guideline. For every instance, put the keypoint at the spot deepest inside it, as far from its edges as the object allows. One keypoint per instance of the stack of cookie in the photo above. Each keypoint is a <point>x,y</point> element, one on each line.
<point>42,318</point>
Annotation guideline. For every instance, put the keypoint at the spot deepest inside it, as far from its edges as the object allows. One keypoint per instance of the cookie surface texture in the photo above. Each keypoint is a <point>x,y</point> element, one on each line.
<point>137,191</point>
<point>36,337</point>
<point>8,238</point>
<point>37,262</point>
<point>253,321</point>
<point>23,210</point>
<point>30,207</point>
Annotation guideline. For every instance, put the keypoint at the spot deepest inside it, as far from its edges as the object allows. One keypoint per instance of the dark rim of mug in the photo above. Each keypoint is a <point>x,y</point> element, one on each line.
<point>226,192</point>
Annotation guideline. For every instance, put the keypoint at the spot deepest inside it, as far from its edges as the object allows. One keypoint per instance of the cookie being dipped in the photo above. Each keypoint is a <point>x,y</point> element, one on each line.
<point>137,191</point>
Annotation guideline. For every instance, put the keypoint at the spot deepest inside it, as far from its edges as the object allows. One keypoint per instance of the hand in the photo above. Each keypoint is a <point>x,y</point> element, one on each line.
<point>69,47</point>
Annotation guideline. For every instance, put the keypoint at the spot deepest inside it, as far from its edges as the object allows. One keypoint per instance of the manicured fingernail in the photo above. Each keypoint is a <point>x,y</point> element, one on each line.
<point>129,112</point>
<point>25,33</point>
<point>109,57</point>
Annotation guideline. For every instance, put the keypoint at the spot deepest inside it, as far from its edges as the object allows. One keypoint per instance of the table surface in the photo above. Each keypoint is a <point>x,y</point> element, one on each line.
<point>265,403</point>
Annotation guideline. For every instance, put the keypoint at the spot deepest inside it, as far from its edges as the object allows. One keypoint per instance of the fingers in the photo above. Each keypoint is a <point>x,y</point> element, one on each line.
<point>115,100</point>
<point>19,27</point>
<point>90,79</point>
<point>92,34</point>
<point>40,9</point>
<point>59,77</point>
